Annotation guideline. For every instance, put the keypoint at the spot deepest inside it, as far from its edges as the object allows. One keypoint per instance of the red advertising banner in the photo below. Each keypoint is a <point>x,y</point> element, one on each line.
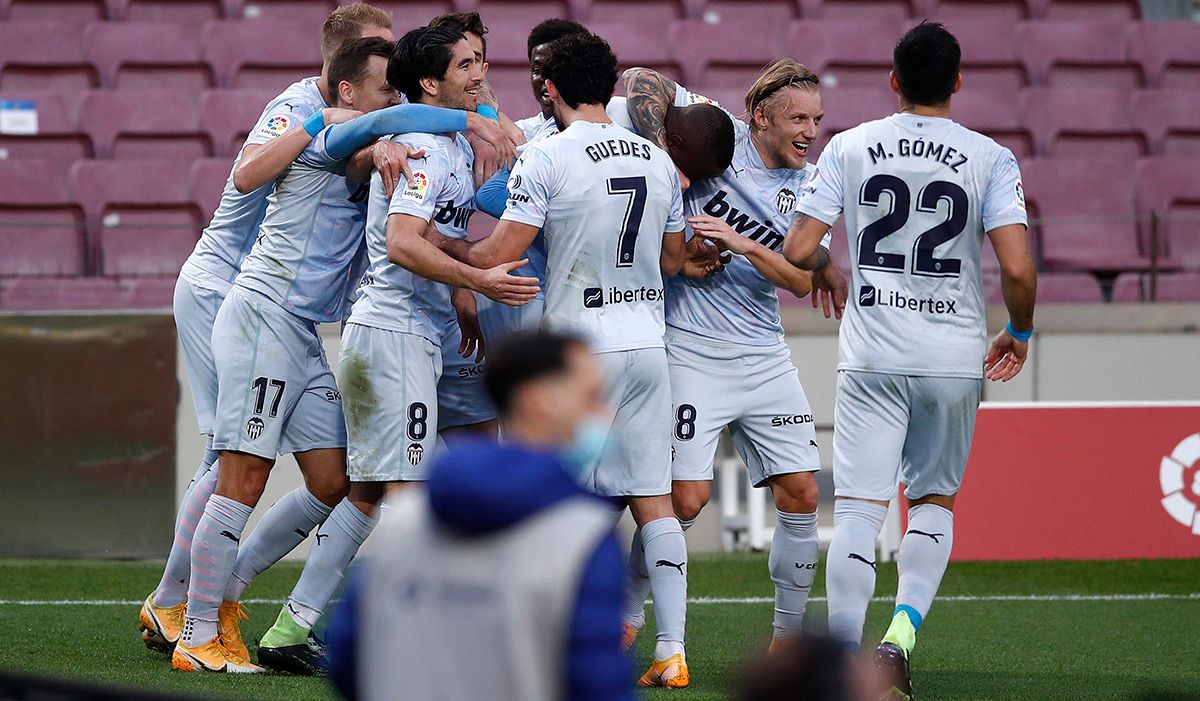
<point>1081,481</point>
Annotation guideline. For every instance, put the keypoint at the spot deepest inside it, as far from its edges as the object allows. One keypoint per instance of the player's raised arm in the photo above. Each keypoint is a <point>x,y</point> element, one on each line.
<point>650,95</point>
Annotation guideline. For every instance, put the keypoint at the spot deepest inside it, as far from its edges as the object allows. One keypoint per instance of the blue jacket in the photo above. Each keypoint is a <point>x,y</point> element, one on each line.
<point>479,487</point>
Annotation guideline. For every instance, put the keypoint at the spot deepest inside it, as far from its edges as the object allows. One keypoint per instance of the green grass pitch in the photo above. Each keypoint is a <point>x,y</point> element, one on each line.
<point>1006,631</point>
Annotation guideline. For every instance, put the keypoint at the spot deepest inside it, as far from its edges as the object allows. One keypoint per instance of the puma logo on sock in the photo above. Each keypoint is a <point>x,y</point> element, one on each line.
<point>319,535</point>
<point>668,563</point>
<point>860,558</point>
<point>231,536</point>
<point>934,536</point>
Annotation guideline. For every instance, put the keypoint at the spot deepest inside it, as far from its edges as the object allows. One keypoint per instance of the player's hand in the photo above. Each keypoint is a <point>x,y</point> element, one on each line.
<point>468,323</point>
<point>1005,358</point>
<point>391,160</point>
<point>487,160</point>
<point>830,290</point>
<point>491,133</point>
<point>720,233</point>
<point>501,285</point>
<point>337,115</point>
<point>702,260</point>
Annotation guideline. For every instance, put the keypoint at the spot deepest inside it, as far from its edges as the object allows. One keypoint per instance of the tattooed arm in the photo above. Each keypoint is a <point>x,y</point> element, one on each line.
<point>650,95</point>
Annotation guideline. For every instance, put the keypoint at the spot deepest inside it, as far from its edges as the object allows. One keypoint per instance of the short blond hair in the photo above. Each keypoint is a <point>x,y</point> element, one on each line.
<point>781,73</point>
<point>347,22</point>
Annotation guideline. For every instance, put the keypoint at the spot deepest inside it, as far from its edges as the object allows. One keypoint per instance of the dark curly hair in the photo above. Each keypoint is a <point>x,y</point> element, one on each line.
<point>583,68</point>
<point>551,30</point>
<point>424,52</point>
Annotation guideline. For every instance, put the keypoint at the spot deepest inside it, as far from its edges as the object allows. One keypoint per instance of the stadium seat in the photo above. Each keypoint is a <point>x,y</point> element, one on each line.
<point>1082,122</point>
<point>639,45</point>
<point>144,124</point>
<point>997,113</point>
<point>1066,288</point>
<point>1078,54</point>
<point>311,12</point>
<point>140,217</point>
<point>843,53</point>
<point>1168,118</point>
<point>57,136</point>
<point>147,55</point>
<point>1167,186</point>
<point>524,13</point>
<point>208,177</point>
<point>1169,287</point>
<point>998,13</point>
<point>989,55</point>
<point>774,11</point>
<point>708,57</point>
<point>266,54</point>
<point>511,84</point>
<point>410,15</point>
<point>1086,214</point>
<point>228,114</point>
<point>848,107</point>
<point>41,229</point>
<point>193,13</point>
<point>633,13</point>
<point>1086,10</point>
<point>28,294</point>
<point>75,11</point>
<point>44,54</point>
<point>1169,53</point>
<point>507,43</point>
<point>896,12</point>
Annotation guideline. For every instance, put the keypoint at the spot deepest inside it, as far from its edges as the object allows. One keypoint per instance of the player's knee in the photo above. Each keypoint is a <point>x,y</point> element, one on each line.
<point>797,493</point>
<point>243,478</point>
<point>688,503</point>
<point>328,489</point>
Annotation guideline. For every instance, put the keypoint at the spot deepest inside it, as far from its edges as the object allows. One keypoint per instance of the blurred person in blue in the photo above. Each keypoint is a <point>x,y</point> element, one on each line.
<point>501,577</point>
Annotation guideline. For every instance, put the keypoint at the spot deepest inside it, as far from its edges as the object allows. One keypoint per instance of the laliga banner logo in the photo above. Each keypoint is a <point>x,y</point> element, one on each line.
<point>1181,495</point>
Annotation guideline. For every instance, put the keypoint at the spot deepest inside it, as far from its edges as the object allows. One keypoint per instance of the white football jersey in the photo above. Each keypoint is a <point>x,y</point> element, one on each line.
<point>918,193</point>
<point>603,196</point>
<point>442,190</point>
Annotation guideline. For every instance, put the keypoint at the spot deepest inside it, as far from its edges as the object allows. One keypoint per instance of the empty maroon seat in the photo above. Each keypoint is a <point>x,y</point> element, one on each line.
<point>145,123</point>
<point>893,11</point>
<point>1068,288</point>
<point>1086,214</point>
<point>775,11</point>
<point>511,84</point>
<point>45,55</point>
<point>57,135</point>
<point>1083,54</point>
<point>409,15</point>
<point>267,54</point>
<point>508,39</point>
<point>997,113</point>
<point>1169,120</point>
<point>41,230</point>
<point>1086,10</point>
<point>526,13</point>
<point>708,55</point>
<point>309,11</point>
<point>845,53</point>
<point>208,177</point>
<point>1082,122</point>
<point>190,12</point>
<point>227,115</point>
<point>638,45</point>
<point>85,293</point>
<point>141,219</point>
<point>989,55</point>
<point>75,11</point>
<point>1169,53</point>
<point>1168,287</point>
<point>634,13</point>
<point>147,55</point>
<point>846,108</point>
<point>1127,289</point>
<point>1166,187</point>
<point>995,12</point>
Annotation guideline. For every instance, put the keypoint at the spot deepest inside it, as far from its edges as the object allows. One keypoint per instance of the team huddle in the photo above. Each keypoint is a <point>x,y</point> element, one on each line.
<point>656,226</point>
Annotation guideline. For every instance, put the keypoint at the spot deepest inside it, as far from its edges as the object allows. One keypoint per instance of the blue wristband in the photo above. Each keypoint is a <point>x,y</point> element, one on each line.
<point>314,124</point>
<point>489,112</point>
<point>1022,336</point>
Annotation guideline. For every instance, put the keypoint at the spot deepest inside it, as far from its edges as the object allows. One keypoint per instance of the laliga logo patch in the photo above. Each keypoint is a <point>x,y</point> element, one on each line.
<point>785,201</point>
<point>1181,495</point>
<point>415,452</point>
<point>254,428</point>
<point>276,126</point>
<point>417,188</point>
<point>1020,194</point>
<point>694,99</point>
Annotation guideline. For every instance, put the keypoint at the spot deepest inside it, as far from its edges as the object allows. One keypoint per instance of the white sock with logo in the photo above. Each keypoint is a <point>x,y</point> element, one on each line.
<point>284,526</point>
<point>337,540</point>
<point>850,567</point>
<point>793,565</point>
<point>666,564</point>
<point>924,554</point>
<point>214,550</point>
<point>637,580</point>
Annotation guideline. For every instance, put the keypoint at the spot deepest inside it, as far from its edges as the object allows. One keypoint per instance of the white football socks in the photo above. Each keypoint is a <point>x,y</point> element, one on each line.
<point>924,554</point>
<point>285,525</point>
<point>793,565</point>
<point>214,550</point>
<point>666,564</point>
<point>172,588</point>
<point>637,580</point>
<point>850,568</point>
<point>337,541</point>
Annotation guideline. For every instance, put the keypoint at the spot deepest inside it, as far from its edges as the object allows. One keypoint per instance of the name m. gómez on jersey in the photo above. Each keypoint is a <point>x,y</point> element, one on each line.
<point>918,194</point>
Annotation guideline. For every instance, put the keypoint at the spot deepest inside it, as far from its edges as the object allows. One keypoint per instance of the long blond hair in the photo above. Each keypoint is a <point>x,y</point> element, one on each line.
<point>766,91</point>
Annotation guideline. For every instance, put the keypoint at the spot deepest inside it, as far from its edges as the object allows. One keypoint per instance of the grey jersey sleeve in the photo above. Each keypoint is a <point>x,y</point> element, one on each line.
<point>530,188</point>
<point>1004,198</point>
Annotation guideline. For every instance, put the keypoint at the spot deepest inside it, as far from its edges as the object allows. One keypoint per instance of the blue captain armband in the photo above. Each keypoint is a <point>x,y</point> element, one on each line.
<point>489,112</point>
<point>1022,336</point>
<point>314,124</point>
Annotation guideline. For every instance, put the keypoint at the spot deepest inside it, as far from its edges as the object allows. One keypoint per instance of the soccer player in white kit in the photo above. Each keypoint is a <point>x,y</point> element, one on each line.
<point>206,277</point>
<point>919,193</point>
<point>730,366</point>
<point>609,204</point>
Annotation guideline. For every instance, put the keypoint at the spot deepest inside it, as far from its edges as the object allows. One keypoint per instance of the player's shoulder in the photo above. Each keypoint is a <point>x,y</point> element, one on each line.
<point>429,143</point>
<point>304,95</point>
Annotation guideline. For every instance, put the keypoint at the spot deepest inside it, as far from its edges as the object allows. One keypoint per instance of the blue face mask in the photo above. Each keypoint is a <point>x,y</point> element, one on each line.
<point>585,449</point>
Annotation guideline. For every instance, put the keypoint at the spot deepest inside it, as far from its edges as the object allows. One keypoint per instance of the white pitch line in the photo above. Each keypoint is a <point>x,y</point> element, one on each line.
<point>706,600</point>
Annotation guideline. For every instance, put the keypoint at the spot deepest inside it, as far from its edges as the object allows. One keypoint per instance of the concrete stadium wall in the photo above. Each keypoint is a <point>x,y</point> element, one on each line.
<point>1103,352</point>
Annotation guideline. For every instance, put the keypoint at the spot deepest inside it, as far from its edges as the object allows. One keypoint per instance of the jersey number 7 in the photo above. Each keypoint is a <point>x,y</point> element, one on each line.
<point>635,189</point>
